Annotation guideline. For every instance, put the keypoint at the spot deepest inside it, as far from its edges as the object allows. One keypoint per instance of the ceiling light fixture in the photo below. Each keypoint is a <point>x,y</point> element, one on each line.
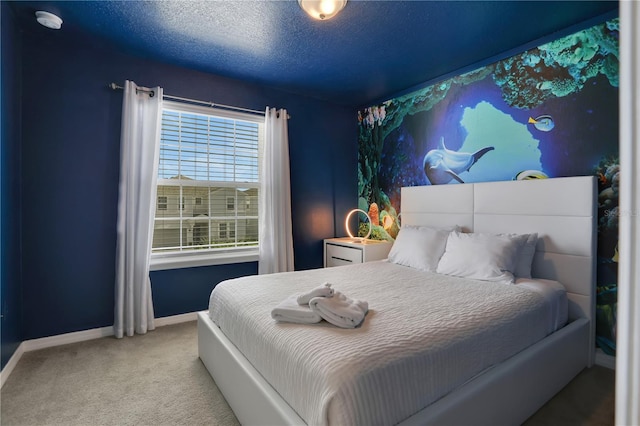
<point>322,9</point>
<point>49,20</point>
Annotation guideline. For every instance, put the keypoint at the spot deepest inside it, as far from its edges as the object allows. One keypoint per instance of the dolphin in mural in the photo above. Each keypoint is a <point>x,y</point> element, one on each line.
<point>442,165</point>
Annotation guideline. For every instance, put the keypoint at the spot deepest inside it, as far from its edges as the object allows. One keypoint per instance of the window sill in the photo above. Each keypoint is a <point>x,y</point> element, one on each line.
<point>160,263</point>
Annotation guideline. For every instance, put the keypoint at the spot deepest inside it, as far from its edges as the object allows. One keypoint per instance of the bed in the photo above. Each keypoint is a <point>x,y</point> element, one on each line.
<point>505,389</point>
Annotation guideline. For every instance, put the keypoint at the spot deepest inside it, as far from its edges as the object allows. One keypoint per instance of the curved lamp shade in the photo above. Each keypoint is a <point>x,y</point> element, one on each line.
<point>346,224</point>
<point>322,9</point>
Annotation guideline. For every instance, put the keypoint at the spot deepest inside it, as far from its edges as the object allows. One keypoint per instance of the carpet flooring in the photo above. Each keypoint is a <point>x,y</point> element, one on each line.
<point>158,379</point>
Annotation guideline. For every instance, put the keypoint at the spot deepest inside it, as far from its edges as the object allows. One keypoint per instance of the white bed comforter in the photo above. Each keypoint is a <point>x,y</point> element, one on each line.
<point>425,334</point>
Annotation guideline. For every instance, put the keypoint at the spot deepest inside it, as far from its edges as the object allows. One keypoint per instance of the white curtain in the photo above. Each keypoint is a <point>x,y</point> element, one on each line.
<point>276,241</point>
<point>628,317</point>
<point>139,151</point>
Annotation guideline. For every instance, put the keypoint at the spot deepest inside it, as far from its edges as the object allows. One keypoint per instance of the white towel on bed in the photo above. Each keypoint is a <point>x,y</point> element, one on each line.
<point>340,310</point>
<point>324,290</point>
<point>289,311</point>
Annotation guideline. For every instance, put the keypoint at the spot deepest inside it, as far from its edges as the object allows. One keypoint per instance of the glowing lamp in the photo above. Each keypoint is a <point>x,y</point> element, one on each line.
<point>346,224</point>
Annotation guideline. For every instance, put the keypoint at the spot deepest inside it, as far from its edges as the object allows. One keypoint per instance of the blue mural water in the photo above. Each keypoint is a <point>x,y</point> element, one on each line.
<point>551,111</point>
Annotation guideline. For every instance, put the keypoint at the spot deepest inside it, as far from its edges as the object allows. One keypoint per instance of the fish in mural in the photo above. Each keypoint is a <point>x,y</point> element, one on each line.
<point>442,165</point>
<point>530,175</point>
<point>544,123</point>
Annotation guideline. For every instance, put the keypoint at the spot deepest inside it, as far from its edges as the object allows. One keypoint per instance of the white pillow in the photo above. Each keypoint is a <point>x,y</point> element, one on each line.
<point>525,255</point>
<point>419,247</point>
<point>480,256</point>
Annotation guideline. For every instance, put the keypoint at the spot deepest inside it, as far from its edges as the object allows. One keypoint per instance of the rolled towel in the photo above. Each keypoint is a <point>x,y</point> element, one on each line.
<point>289,311</point>
<point>324,290</point>
<point>340,310</point>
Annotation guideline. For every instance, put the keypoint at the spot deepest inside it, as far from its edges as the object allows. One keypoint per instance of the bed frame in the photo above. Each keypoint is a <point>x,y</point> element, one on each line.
<point>563,212</point>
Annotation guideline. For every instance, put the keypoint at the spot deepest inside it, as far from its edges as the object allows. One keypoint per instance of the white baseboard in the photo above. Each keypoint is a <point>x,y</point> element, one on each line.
<point>605,360</point>
<point>77,336</point>
<point>65,339</point>
<point>176,319</point>
<point>11,364</point>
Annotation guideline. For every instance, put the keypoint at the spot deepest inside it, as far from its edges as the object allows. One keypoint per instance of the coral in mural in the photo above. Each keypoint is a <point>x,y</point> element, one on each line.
<point>373,214</point>
<point>370,147</point>
<point>372,116</point>
<point>608,174</point>
<point>606,319</point>
<point>377,232</point>
<point>384,222</point>
<point>369,160</point>
<point>561,67</point>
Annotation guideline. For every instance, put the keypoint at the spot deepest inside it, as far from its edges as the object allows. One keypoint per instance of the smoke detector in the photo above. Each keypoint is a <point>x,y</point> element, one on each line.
<point>49,20</point>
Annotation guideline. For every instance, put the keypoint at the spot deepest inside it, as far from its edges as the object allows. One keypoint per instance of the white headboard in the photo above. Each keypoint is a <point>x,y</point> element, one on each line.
<point>562,211</point>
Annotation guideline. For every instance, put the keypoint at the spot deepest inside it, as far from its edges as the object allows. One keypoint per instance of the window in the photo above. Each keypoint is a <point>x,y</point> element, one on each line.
<point>208,167</point>
<point>222,230</point>
<point>162,203</point>
<point>226,230</point>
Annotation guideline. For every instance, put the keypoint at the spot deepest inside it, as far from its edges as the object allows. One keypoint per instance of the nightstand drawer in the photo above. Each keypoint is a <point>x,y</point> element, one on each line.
<point>340,255</point>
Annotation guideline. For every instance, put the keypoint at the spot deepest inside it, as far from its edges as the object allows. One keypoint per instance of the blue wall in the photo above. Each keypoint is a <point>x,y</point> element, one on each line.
<point>70,169</point>
<point>10,280</point>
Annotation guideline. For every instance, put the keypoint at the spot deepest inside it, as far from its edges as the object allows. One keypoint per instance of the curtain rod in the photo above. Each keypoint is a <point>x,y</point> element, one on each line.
<point>114,86</point>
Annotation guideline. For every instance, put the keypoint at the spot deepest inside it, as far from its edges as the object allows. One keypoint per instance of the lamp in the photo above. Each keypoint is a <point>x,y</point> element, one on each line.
<point>49,20</point>
<point>322,9</point>
<point>346,224</point>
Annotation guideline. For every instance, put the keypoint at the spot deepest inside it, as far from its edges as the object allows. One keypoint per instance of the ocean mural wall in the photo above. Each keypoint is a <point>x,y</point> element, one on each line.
<point>551,111</point>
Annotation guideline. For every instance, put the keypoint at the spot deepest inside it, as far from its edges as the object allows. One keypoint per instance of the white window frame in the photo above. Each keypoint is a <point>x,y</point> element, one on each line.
<point>187,259</point>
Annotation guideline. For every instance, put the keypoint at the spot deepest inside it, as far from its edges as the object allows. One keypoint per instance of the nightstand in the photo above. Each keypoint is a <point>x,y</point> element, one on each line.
<point>347,251</point>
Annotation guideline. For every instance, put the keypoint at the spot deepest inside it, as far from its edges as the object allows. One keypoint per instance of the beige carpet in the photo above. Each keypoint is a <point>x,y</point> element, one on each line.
<point>157,379</point>
<point>587,401</point>
<point>152,379</point>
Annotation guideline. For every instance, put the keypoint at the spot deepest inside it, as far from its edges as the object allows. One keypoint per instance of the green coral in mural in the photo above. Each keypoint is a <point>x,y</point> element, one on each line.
<point>377,232</point>
<point>561,67</point>
<point>363,204</point>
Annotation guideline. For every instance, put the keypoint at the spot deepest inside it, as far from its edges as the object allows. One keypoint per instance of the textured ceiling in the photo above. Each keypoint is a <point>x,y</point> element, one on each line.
<point>371,50</point>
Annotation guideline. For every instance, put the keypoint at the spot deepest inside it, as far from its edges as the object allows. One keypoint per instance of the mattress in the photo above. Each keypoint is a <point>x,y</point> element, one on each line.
<point>424,335</point>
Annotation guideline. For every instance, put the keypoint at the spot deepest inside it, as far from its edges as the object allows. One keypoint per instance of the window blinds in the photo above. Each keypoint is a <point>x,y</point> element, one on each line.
<point>208,182</point>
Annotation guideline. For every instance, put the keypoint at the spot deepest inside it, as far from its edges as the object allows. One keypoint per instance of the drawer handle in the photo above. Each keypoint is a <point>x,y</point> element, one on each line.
<point>344,260</point>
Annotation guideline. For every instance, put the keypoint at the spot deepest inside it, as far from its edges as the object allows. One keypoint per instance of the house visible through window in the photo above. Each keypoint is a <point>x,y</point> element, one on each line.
<point>208,167</point>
